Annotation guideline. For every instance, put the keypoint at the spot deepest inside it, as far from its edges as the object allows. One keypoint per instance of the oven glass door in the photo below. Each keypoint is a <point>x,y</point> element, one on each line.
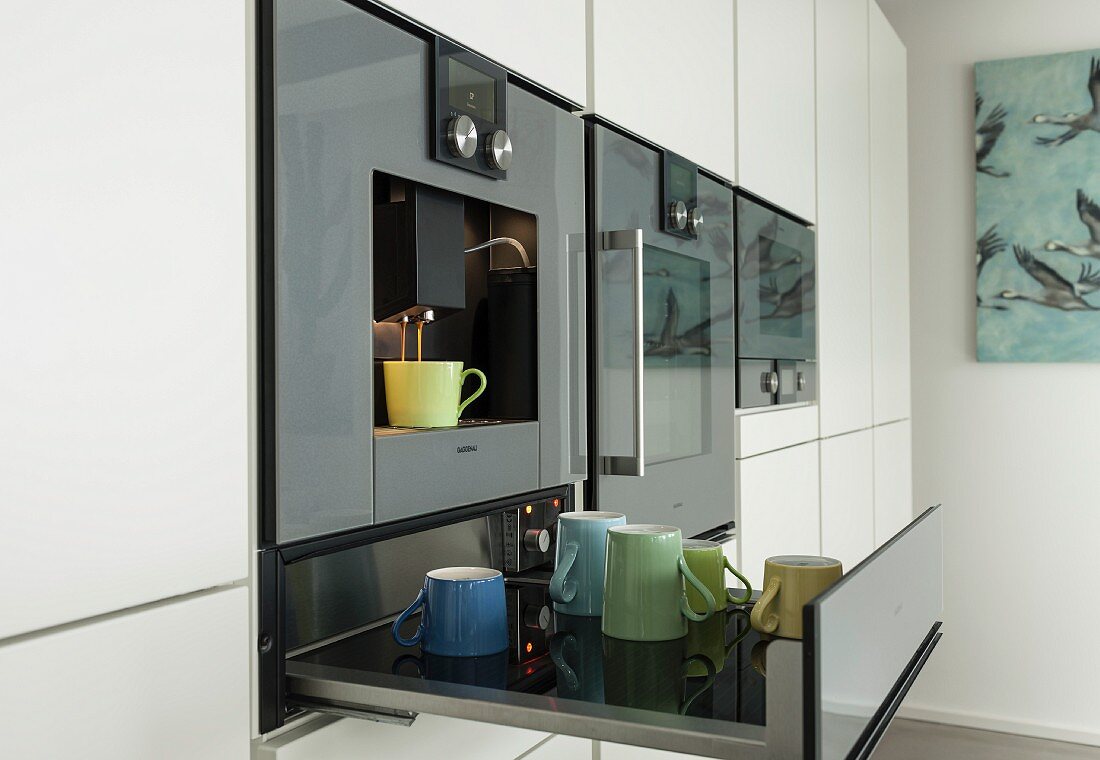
<point>776,285</point>
<point>663,346</point>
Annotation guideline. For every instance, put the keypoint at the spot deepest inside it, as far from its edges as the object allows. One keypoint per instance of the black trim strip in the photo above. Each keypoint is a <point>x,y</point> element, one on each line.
<point>875,730</point>
<point>265,286</point>
<point>591,244</point>
<point>749,195</point>
<point>271,641</point>
<point>316,547</point>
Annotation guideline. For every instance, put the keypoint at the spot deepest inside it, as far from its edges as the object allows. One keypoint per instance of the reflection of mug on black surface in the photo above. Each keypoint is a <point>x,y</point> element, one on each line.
<point>577,652</point>
<point>490,671</point>
<point>650,675</point>
<point>708,639</point>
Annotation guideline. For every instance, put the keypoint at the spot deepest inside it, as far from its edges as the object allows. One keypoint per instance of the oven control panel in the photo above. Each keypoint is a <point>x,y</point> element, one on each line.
<point>527,534</point>
<point>469,126</point>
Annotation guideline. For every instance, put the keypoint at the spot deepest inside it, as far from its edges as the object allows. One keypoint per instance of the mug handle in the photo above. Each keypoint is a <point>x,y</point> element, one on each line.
<point>475,394</point>
<point>743,579</point>
<point>737,639</point>
<point>396,630</point>
<point>771,622</point>
<point>557,653</point>
<point>704,686</point>
<point>564,591</point>
<point>704,592</point>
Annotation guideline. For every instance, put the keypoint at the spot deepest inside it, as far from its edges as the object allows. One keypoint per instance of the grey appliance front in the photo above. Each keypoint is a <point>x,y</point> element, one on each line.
<point>664,366</point>
<point>351,99</point>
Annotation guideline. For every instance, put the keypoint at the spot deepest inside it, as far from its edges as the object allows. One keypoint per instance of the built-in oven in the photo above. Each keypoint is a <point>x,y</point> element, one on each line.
<point>661,261</point>
<point>776,306</point>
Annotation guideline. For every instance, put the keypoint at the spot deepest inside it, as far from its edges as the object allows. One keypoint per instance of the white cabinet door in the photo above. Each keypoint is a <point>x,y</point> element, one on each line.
<point>167,682</point>
<point>848,497</point>
<point>430,737</point>
<point>609,751</point>
<point>894,508</point>
<point>778,507</point>
<point>542,40</point>
<point>775,102</point>
<point>665,71</point>
<point>563,748</point>
<point>843,218</point>
<point>889,221</point>
<point>123,320</point>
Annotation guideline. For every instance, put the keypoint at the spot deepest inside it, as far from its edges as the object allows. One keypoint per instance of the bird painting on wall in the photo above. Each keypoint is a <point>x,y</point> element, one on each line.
<point>1058,292</point>
<point>1089,213</point>
<point>989,245</point>
<point>987,135</point>
<point>796,300</point>
<point>1077,122</point>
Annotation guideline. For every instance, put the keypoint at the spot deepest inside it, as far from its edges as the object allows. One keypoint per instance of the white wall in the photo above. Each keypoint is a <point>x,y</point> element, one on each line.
<point>1010,449</point>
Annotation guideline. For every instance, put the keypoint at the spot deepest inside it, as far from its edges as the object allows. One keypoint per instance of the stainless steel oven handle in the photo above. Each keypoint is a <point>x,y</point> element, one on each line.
<point>631,240</point>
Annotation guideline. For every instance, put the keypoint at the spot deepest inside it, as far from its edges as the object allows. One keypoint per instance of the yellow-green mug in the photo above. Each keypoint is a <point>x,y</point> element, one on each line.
<point>427,394</point>
<point>709,563</point>
<point>789,582</point>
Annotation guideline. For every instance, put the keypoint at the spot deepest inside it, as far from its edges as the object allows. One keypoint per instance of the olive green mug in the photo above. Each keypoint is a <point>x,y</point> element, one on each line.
<point>644,597</point>
<point>709,563</point>
<point>789,582</point>
<point>427,394</point>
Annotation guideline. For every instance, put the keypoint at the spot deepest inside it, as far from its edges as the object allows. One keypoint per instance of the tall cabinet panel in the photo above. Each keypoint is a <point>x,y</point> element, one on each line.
<point>843,217</point>
<point>543,41</point>
<point>893,479</point>
<point>124,335</point>
<point>848,497</point>
<point>666,73</point>
<point>775,102</point>
<point>778,509</point>
<point>889,221</point>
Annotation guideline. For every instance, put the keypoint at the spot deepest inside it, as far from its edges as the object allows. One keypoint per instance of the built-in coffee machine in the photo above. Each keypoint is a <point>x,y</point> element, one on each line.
<point>420,206</point>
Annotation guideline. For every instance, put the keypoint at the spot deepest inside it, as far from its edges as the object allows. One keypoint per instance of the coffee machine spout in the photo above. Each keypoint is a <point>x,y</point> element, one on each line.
<point>504,241</point>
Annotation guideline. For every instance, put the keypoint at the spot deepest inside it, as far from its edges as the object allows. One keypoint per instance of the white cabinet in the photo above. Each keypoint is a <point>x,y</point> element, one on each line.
<point>889,221</point>
<point>542,40</point>
<point>848,497</point>
<point>666,72</point>
<point>775,102</point>
<point>609,751</point>
<point>124,324</point>
<point>428,738</point>
<point>563,748</point>
<point>167,682</point>
<point>894,507</point>
<point>778,507</point>
<point>843,218</point>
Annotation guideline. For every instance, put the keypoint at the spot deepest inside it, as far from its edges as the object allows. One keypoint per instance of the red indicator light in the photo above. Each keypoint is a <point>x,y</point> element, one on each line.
<point>529,647</point>
<point>528,509</point>
<point>556,503</point>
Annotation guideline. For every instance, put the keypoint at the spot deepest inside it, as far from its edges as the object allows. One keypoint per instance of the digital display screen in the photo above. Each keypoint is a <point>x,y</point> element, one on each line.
<point>471,90</point>
<point>681,178</point>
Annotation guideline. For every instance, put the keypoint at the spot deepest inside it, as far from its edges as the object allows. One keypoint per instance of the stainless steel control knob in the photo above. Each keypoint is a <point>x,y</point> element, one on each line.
<point>537,617</point>
<point>769,382</point>
<point>498,150</point>
<point>537,540</point>
<point>695,220</point>
<point>462,136</point>
<point>801,382</point>
<point>677,215</point>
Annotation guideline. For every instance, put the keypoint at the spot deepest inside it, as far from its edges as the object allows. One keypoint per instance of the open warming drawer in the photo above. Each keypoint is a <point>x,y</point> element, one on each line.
<point>829,696</point>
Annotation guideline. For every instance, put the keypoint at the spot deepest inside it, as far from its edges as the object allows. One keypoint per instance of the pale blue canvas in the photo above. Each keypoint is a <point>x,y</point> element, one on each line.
<point>1038,258</point>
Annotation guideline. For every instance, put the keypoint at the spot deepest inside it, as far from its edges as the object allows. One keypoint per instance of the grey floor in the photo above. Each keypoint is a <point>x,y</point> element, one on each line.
<point>914,740</point>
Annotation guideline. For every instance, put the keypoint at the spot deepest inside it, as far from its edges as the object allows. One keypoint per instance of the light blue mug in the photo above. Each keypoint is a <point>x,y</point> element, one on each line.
<point>464,613</point>
<point>577,584</point>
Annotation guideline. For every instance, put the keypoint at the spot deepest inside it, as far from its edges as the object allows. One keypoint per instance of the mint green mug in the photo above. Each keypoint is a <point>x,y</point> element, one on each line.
<point>427,394</point>
<point>644,597</point>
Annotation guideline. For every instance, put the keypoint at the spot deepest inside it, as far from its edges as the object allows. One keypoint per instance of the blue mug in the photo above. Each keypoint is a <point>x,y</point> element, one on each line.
<point>490,671</point>
<point>577,584</point>
<point>464,613</point>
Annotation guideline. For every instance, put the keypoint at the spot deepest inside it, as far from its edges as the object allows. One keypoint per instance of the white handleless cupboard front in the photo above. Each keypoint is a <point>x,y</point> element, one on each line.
<point>848,497</point>
<point>542,40</point>
<point>169,682</point>
<point>775,102</point>
<point>843,218</point>
<point>665,71</point>
<point>124,474</point>
<point>894,507</point>
<point>889,221</point>
<point>779,507</point>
